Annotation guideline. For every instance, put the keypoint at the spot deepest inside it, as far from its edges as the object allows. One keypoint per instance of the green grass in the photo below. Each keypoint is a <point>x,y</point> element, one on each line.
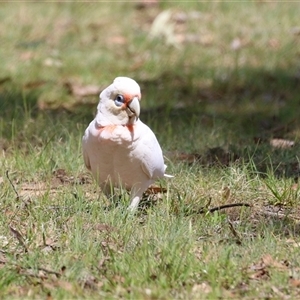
<point>214,111</point>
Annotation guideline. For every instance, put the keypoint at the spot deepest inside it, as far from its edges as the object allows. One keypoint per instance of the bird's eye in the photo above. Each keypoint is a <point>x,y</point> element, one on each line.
<point>119,100</point>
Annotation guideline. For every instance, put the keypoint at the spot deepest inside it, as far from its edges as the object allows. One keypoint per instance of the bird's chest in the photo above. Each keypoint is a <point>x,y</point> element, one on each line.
<point>116,135</point>
<point>115,147</point>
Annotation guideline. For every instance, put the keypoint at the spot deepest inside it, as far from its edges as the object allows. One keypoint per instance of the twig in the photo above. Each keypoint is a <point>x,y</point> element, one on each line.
<point>278,215</point>
<point>19,237</point>
<point>217,208</point>
<point>234,232</point>
<point>17,194</point>
<point>49,271</point>
<point>211,210</point>
<point>27,270</point>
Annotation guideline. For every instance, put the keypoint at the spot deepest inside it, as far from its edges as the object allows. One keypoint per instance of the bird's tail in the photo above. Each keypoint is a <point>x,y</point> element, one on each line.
<point>167,175</point>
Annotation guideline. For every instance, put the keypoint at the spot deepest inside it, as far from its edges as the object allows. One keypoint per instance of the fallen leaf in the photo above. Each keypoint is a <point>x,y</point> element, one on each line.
<point>146,4</point>
<point>294,282</point>
<point>89,282</point>
<point>154,189</point>
<point>226,193</point>
<point>109,245</point>
<point>47,249</point>
<point>204,39</point>
<point>282,143</point>
<point>274,43</point>
<point>49,245</point>
<point>261,269</point>
<point>183,17</point>
<point>27,55</point>
<point>239,43</point>
<point>3,241</point>
<point>118,40</point>
<point>118,279</point>
<point>29,190</point>
<point>3,260</point>
<point>49,297</point>
<point>53,285</point>
<point>103,261</point>
<point>260,274</point>
<point>279,293</point>
<point>80,91</point>
<point>295,187</point>
<point>62,175</point>
<point>104,227</point>
<point>236,44</point>
<point>269,261</point>
<point>202,288</point>
<point>293,243</point>
<point>152,195</point>
<point>164,27</point>
<point>148,292</point>
<point>51,62</point>
<point>67,286</point>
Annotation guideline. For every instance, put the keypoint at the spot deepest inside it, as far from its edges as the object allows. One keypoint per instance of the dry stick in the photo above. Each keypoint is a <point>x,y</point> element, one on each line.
<point>278,215</point>
<point>211,210</point>
<point>27,272</point>
<point>19,237</point>
<point>217,208</point>
<point>17,194</point>
<point>57,274</point>
<point>12,230</point>
<point>234,232</point>
<point>16,233</point>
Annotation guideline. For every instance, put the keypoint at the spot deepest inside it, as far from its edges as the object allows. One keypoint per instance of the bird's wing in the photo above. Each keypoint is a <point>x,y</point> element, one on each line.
<point>150,153</point>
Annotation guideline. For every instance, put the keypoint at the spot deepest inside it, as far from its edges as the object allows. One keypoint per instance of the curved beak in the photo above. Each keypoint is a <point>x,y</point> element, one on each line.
<point>133,108</point>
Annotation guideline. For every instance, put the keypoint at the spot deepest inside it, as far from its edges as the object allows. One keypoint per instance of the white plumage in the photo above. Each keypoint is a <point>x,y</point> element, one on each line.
<point>118,148</point>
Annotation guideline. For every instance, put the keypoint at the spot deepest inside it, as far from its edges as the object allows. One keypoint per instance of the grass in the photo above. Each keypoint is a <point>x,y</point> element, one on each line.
<point>214,110</point>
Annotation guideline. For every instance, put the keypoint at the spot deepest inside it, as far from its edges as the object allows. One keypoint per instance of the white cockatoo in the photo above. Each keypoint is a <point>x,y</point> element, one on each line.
<point>118,148</point>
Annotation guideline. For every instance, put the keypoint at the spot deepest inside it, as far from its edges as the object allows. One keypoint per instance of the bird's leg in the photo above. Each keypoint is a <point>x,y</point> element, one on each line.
<point>136,195</point>
<point>109,191</point>
<point>135,202</point>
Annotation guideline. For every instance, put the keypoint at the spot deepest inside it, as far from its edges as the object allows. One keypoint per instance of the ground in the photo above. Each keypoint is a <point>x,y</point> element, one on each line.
<point>220,90</point>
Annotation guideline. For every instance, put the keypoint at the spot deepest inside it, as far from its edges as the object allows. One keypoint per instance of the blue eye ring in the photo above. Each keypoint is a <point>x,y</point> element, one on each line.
<point>119,100</point>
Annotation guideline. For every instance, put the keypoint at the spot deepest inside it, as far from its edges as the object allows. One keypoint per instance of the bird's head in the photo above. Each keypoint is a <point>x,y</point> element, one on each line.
<point>119,103</point>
